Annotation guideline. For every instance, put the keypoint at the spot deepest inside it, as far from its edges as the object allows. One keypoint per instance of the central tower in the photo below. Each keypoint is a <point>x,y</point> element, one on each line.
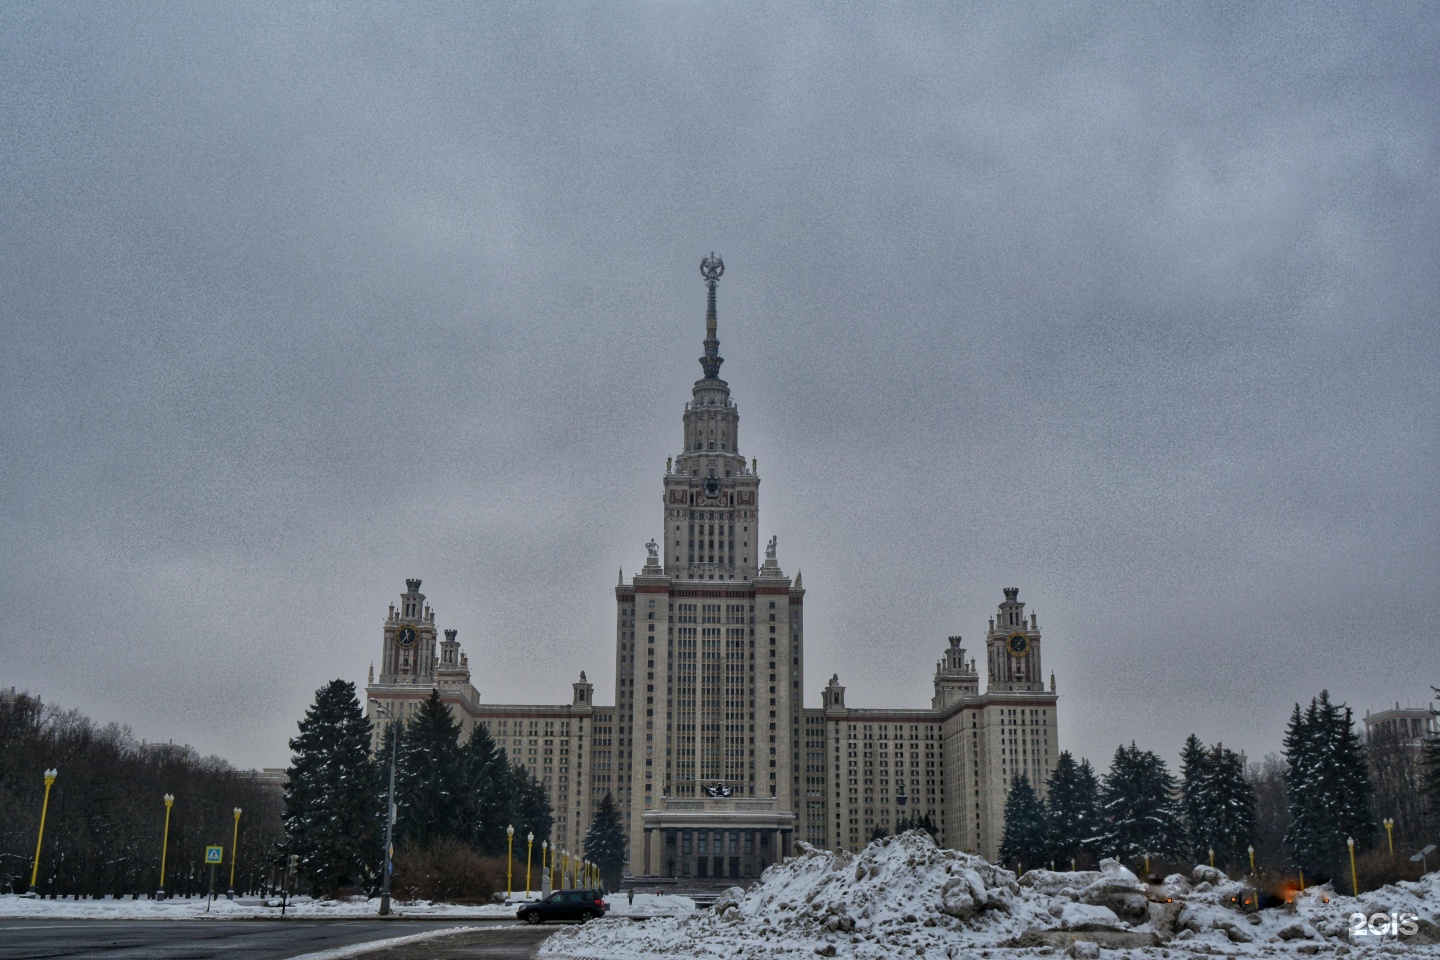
<point>711,509</point>
<point>708,659</point>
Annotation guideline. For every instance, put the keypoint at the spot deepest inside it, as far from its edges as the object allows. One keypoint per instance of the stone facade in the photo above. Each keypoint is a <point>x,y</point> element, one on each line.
<point>716,764</point>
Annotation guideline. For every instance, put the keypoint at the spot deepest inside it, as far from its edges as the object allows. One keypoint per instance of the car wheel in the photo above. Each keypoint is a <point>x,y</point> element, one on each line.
<point>534,917</point>
<point>587,915</point>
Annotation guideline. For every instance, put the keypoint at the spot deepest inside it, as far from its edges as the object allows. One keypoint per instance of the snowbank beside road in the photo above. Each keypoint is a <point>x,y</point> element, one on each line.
<point>905,897</point>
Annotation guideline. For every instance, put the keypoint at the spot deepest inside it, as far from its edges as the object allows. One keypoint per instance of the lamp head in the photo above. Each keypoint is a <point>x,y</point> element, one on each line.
<point>169,799</point>
<point>237,813</point>
<point>529,838</point>
<point>510,831</point>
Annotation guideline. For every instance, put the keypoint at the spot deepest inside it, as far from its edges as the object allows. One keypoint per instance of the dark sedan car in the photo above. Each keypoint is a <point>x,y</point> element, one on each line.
<point>578,905</point>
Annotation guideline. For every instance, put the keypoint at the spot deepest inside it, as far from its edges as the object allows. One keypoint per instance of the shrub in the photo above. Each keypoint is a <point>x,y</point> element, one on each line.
<point>446,870</point>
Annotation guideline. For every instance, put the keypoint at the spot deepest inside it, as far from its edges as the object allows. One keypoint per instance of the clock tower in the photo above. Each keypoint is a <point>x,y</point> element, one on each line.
<point>409,649</point>
<point>1012,646</point>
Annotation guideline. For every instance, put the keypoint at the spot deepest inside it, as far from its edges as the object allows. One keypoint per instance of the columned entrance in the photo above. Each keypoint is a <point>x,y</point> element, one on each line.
<point>715,842</point>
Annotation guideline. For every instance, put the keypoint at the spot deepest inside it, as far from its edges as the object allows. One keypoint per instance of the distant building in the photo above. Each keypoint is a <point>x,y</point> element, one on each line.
<point>1412,726</point>
<point>716,764</point>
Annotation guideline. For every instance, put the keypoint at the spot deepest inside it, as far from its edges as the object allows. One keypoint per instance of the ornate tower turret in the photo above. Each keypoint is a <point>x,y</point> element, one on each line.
<point>711,509</point>
<point>1013,647</point>
<point>409,650</point>
<point>955,677</point>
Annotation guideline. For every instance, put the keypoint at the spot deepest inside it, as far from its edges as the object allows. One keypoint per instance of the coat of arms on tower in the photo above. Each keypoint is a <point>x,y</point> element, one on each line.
<point>718,790</point>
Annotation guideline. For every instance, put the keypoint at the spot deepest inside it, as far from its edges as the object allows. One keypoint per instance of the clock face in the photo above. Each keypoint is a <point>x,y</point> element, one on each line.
<point>1019,644</point>
<point>712,487</point>
<point>405,636</point>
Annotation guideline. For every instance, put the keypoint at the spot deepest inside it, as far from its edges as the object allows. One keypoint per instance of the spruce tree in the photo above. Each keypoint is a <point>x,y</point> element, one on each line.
<point>530,808</point>
<point>1072,809</point>
<point>1193,782</point>
<point>1430,774</point>
<point>491,792</point>
<point>1141,815</point>
<point>1025,840</point>
<point>1329,785</point>
<point>605,842</point>
<point>331,792</point>
<point>431,782</point>
<point>1224,818</point>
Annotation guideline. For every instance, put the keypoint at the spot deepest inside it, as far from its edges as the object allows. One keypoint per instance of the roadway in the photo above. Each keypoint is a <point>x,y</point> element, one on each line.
<point>43,939</point>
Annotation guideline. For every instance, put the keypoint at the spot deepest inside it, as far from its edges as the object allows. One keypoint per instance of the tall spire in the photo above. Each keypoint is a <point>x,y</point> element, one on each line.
<point>712,268</point>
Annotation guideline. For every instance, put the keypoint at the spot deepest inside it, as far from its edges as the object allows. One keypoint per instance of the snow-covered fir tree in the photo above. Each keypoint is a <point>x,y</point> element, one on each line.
<point>1219,806</point>
<point>1138,802</point>
<point>1072,810</point>
<point>605,842</point>
<point>1025,841</point>
<point>1431,767</point>
<point>432,788</point>
<point>1328,782</point>
<point>491,792</point>
<point>1193,801</point>
<point>332,791</point>
<point>530,809</point>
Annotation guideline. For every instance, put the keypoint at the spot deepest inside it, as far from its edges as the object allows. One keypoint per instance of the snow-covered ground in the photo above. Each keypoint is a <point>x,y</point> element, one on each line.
<point>905,897</point>
<point>15,907</point>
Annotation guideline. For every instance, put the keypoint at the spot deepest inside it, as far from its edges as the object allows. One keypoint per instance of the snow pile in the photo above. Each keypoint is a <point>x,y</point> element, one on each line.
<point>901,895</point>
<point>904,897</point>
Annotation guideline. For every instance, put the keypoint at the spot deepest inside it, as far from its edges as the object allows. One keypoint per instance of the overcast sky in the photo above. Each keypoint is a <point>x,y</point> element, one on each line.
<point>1133,307</point>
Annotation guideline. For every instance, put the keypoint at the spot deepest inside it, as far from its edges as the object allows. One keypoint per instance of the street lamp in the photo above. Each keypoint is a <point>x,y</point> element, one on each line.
<point>564,869</point>
<point>1354,880</point>
<point>50,776</point>
<point>234,846</point>
<point>529,846</point>
<point>545,870</point>
<point>510,863</point>
<point>165,844</point>
<point>1390,834</point>
<point>1212,856</point>
<point>1251,848</point>
<point>390,808</point>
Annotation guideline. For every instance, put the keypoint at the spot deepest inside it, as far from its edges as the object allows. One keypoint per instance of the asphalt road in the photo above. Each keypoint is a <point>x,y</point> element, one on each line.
<point>255,939</point>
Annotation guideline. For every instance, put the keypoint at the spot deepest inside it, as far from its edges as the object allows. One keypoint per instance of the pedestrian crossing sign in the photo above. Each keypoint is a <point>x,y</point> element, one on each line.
<point>214,854</point>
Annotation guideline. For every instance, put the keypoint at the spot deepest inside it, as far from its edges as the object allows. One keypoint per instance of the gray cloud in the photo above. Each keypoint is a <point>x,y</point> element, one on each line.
<point>1132,308</point>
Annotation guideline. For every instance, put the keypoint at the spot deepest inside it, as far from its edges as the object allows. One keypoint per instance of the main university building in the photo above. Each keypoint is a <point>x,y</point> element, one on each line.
<point>716,764</point>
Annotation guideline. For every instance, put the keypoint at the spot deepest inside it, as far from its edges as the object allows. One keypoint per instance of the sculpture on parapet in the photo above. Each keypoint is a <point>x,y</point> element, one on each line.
<point>653,548</point>
<point>770,548</point>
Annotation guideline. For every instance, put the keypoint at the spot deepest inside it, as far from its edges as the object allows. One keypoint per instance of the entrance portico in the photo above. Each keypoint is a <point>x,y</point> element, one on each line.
<point>715,839</point>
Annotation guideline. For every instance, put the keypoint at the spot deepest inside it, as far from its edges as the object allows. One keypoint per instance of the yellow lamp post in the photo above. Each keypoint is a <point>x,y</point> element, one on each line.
<point>544,864</point>
<point>529,846</point>
<point>1302,879</point>
<point>1354,879</point>
<point>1212,856</point>
<point>50,776</point>
<point>510,863</point>
<point>565,869</point>
<point>1147,863</point>
<point>1390,834</point>
<point>1251,848</point>
<point>234,845</point>
<point>165,845</point>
